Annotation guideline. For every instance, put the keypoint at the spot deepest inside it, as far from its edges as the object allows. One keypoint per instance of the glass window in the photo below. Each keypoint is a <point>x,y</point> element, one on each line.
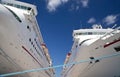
<point>90,33</point>
<point>10,4</point>
<point>77,33</point>
<point>28,27</point>
<point>85,33</point>
<point>80,33</point>
<point>30,39</point>
<point>23,7</point>
<point>32,43</point>
<point>28,8</point>
<point>94,33</point>
<point>18,6</point>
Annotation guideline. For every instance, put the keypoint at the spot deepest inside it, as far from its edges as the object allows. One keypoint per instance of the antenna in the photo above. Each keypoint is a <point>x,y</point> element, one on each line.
<point>114,26</point>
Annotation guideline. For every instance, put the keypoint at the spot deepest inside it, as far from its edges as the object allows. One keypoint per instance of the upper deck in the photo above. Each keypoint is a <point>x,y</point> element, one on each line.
<point>97,30</point>
<point>91,31</point>
<point>20,5</point>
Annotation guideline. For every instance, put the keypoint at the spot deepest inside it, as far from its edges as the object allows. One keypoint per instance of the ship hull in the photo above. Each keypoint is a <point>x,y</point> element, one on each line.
<point>98,59</point>
<point>16,52</point>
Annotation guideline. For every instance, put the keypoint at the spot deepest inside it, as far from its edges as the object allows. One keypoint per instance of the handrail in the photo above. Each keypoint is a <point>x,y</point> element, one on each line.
<point>110,32</point>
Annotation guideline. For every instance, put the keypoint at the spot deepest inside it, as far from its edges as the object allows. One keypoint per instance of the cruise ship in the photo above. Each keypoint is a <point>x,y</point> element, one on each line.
<point>21,44</point>
<point>94,53</point>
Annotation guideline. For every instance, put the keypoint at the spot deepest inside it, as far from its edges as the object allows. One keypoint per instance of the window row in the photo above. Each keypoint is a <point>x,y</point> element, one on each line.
<point>34,45</point>
<point>17,6</point>
<point>91,33</point>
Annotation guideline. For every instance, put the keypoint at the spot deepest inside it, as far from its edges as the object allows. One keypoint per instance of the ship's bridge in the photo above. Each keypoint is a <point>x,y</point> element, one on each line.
<point>83,35</point>
<point>82,32</point>
<point>97,30</point>
<point>24,6</point>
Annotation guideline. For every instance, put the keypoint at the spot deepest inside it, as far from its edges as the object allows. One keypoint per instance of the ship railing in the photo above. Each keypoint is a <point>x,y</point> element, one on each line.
<point>107,35</point>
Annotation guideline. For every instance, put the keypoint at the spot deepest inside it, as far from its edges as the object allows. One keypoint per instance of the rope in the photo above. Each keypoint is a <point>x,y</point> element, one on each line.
<point>57,66</point>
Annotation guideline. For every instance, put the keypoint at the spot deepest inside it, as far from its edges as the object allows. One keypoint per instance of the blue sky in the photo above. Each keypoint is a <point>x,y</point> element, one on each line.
<point>58,18</point>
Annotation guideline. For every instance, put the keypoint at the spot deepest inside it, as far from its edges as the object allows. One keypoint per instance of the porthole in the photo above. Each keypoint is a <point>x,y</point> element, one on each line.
<point>32,43</point>
<point>30,39</point>
<point>28,27</point>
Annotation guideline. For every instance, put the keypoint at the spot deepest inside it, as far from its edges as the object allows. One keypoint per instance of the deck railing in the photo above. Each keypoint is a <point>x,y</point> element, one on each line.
<point>107,35</point>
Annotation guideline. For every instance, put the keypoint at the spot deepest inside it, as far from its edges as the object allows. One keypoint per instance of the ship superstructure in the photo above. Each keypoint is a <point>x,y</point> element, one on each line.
<point>21,43</point>
<point>92,44</point>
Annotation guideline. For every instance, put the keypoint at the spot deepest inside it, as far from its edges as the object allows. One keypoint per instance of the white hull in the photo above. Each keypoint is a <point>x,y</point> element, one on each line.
<point>106,67</point>
<point>17,53</point>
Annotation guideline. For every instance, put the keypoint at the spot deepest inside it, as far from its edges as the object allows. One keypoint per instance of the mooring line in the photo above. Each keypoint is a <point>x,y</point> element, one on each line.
<point>57,66</point>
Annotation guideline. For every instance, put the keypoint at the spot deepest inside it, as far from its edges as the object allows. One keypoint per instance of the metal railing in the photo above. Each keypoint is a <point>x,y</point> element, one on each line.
<point>115,31</point>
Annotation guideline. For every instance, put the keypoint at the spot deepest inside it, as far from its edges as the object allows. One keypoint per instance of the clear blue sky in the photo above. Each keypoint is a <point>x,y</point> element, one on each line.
<point>58,18</point>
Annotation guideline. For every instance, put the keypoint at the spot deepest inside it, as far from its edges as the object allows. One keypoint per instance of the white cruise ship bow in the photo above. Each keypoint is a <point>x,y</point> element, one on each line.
<point>21,43</point>
<point>94,45</point>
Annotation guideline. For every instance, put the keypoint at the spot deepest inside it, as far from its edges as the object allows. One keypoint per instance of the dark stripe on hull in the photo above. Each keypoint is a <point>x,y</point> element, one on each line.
<point>30,54</point>
<point>106,45</point>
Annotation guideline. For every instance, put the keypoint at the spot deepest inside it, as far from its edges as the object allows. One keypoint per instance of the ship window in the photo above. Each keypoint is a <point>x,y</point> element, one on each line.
<point>29,8</point>
<point>35,48</point>
<point>35,39</point>
<point>9,4</point>
<point>17,6</point>
<point>85,33</point>
<point>117,49</point>
<point>76,46</point>
<point>30,39</point>
<point>28,27</point>
<point>80,33</point>
<point>95,33</point>
<point>32,43</point>
<point>99,33</point>
<point>90,33</point>
<point>23,7</point>
<point>77,33</point>
<point>14,15</point>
